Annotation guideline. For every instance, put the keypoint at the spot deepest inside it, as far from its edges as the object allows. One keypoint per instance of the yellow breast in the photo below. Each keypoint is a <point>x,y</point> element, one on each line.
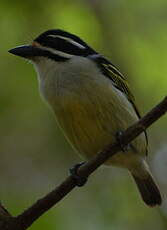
<point>90,120</point>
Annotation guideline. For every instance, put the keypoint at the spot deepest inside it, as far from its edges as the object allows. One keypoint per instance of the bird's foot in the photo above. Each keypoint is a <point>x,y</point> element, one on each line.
<point>79,180</point>
<point>124,148</point>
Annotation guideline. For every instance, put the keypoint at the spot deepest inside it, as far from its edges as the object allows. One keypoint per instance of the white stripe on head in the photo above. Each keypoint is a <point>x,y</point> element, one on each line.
<point>70,40</point>
<point>94,56</point>
<point>57,52</point>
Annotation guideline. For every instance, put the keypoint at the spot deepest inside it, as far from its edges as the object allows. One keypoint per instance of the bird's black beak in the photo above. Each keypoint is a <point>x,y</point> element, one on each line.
<point>26,51</point>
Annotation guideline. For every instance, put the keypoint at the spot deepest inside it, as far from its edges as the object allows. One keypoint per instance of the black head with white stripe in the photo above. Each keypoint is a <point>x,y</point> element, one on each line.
<point>57,45</point>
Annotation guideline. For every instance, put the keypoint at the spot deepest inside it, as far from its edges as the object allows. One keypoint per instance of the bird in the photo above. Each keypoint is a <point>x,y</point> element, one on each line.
<point>92,102</point>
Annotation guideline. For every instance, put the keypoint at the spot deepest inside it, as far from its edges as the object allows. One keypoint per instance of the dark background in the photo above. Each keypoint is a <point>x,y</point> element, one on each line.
<point>34,154</point>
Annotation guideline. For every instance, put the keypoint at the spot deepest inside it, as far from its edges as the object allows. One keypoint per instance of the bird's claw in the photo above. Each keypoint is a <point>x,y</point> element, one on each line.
<point>79,180</point>
<point>124,148</point>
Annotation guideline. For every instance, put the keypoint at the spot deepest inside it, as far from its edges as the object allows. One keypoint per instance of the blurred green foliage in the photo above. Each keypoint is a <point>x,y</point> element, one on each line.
<point>34,154</point>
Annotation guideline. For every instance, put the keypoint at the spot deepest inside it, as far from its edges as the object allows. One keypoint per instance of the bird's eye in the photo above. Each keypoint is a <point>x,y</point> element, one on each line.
<point>63,44</point>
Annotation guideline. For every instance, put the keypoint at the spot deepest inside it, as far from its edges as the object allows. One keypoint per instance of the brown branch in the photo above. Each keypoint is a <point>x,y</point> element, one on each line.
<point>24,220</point>
<point>5,216</point>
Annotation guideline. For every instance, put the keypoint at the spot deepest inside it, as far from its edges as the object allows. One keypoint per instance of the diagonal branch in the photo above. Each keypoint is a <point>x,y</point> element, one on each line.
<point>24,220</point>
<point>5,216</point>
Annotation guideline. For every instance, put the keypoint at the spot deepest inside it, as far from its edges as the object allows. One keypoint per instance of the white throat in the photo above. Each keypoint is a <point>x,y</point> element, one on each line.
<point>58,78</point>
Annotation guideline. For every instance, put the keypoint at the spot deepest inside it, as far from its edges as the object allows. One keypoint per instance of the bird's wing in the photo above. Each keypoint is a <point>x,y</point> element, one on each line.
<point>118,80</point>
<point>116,77</point>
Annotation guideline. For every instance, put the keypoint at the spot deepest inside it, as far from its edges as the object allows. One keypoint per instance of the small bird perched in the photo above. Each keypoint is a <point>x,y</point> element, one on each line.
<point>91,100</point>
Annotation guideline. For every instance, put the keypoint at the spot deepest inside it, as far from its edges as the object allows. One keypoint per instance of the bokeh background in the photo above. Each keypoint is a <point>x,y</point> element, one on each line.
<point>34,155</point>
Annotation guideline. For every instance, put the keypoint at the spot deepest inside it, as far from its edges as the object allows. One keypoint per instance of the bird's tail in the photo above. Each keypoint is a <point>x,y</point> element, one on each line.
<point>148,189</point>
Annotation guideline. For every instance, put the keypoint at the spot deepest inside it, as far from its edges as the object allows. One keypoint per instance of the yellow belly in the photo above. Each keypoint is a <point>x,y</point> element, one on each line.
<point>90,122</point>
